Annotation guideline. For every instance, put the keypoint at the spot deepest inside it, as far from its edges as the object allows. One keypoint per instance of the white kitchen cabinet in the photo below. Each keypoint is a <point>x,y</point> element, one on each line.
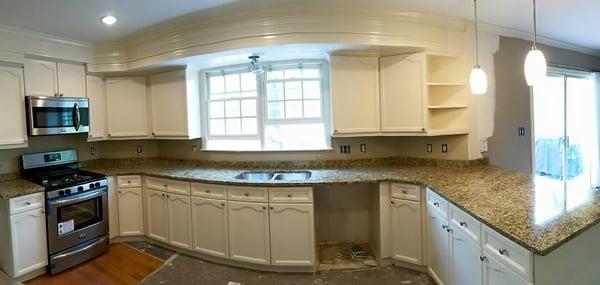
<point>49,78</point>
<point>466,266</point>
<point>96,93</point>
<point>126,110</point>
<point>495,273</point>
<point>71,80</point>
<point>13,128</point>
<point>113,208</point>
<point>41,77</point>
<point>24,244</point>
<point>249,232</point>
<point>210,227</point>
<point>439,246</point>
<point>131,216</point>
<point>406,231</point>
<point>175,100</point>
<point>292,234</point>
<point>355,95</point>
<point>403,93</point>
<point>156,215</point>
<point>179,220</point>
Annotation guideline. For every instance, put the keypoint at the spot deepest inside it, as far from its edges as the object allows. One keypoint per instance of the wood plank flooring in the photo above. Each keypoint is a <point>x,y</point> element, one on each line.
<point>120,265</point>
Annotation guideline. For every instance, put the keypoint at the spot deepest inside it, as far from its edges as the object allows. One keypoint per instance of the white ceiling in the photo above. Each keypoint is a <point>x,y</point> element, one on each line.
<point>573,21</point>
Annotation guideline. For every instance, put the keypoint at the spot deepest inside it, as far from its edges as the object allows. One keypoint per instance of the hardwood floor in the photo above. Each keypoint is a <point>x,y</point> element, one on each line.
<point>120,265</point>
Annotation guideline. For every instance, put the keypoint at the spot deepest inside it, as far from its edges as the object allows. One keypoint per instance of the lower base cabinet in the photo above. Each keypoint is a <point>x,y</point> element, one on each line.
<point>210,227</point>
<point>406,231</point>
<point>439,242</point>
<point>179,220</point>
<point>131,216</point>
<point>495,273</point>
<point>249,239</point>
<point>466,260</point>
<point>156,214</point>
<point>292,234</point>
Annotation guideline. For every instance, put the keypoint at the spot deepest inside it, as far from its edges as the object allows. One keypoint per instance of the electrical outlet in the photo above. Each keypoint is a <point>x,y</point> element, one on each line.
<point>194,148</point>
<point>345,148</point>
<point>363,147</point>
<point>483,145</point>
<point>93,151</point>
<point>521,131</point>
<point>139,149</point>
<point>429,147</point>
<point>444,148</point>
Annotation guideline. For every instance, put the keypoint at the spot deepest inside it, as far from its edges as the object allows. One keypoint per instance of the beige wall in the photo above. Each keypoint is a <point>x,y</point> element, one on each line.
<point>506,149</point>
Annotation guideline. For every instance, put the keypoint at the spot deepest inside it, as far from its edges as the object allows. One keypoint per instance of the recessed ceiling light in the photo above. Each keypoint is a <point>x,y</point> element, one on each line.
<point>109,20</point>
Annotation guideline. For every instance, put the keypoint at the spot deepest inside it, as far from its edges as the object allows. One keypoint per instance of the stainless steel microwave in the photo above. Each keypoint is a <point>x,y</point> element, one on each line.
<point>57,115</point>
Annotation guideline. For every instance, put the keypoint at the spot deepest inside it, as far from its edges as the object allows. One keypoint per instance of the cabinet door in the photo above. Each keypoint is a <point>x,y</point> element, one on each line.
<point>249,232</point>
<point>29,246</point>
<point>403,93</point>
<point>96,94</point>
<point>113,208</point>
<point>131,221</point>
<point>465,260</point>
<point>292,234</point>
<point>406,231</point>
<point>13,131</point>
<point>495,273</point>
<point>169,104</point>
<point>126,107</point>
<point>156,214</point>
<point>439,247</point>
<point>179,220</point>
<point>41,78</point>
<point>355,95</point>
<point>210,226</point>
<point>71,80</point>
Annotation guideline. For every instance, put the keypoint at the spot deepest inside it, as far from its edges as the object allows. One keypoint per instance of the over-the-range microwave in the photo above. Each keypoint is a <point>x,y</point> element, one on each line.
<point>57,115</point>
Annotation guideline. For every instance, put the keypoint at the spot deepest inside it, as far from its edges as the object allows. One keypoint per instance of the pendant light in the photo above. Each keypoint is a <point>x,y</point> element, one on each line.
<point>478,80</point>
<point>254,67</point>
<point>535,62</point>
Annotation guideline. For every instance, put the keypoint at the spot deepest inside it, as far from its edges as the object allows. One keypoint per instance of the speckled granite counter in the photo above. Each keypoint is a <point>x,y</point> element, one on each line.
<point>10,188</point>
<point>532,211</point>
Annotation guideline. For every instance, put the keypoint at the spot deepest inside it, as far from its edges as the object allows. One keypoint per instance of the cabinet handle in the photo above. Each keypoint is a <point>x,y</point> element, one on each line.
<point>289,195</point>
<point>404,191</point>
<point>128,182</point>
<point>502,251</point>
<point>223,204</point>
<point>444,227</point>
<point>207,191</point>
<point>27,203</point>
<point>246,194</point>
<point>449,230</point>
<point>264,207</point>
<point>166,185</point>
<point>162,195</point>
<point>483,258</point>
<point>271,208</point>
<point>120,192</point>
<point>436,204</point>
<point>335,131</point>
<point>393,202</point>
<point>168,196</point>
<point>61,95</point>
<point>109,135</point>
<point>463,224</point>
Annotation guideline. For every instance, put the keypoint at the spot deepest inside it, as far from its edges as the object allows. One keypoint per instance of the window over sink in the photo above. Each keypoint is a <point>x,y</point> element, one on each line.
<point>283,109</point>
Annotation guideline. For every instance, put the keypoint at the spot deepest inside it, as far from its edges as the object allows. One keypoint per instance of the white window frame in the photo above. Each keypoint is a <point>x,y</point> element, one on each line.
<point>261,109</point>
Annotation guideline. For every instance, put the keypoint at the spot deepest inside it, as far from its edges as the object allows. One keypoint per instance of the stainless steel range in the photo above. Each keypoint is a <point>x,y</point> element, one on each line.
<point>76,207</point>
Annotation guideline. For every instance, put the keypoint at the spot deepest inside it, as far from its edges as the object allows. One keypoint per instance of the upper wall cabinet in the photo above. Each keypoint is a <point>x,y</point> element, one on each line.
<point>96,93</point>
<point>13,129</point>
<point>48,78</point>
<point>126,107</point>
<point>403,92</point>
<point>175,100</point>
<point>355,95</point>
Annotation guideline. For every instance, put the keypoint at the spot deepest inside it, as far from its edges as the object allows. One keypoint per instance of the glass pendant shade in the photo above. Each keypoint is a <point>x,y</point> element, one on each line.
<point>535,67</point>
<point>478,81</point>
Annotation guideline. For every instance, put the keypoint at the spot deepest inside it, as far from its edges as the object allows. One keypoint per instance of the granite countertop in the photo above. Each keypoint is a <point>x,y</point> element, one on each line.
<point>530,210</point>
<point>15,187</point>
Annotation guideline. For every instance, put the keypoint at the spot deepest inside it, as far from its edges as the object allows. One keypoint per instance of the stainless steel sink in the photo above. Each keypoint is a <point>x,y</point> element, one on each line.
<point>273,175</point>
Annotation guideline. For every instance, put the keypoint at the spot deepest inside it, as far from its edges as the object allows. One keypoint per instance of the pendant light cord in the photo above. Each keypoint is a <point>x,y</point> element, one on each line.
<point>534,26</point>
<point>476,36</point>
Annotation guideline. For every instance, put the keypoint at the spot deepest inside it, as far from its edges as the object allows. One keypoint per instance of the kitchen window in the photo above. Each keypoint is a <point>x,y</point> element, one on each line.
<point>284,108</point>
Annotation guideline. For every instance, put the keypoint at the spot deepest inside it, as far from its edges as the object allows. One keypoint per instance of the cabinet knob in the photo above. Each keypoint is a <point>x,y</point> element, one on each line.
<point>27,203</point>
<point>449,230</point>
<point>271,208</point>
<point>264,207</point>
<point>166,185</point>
<point>289,195</point>
<point>61,95</point>
<point>128,182</point>
<point>207,191</point>
<point>247,194</point>
<point>393,202</point>
<point>109,135</point>
<point>444,227</point>
<point>335,131</point>
<point>404,191</point>
<point>120,192</point>
<point>502,251</point>
<point>436,204</point>
<point>463,224</point>
<point>223,204</point>
<point>168,196</point>
<point>483,258</point>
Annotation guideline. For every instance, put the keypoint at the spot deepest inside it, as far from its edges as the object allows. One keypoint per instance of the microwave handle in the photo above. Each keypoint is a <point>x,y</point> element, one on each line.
<point>76,117</point>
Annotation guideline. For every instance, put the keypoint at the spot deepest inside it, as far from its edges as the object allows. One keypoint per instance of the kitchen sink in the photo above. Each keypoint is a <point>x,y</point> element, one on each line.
<point>273,175</point>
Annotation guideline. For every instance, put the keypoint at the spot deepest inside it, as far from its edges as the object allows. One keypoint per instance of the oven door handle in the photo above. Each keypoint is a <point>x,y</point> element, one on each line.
<point>64,255</point>
<point>78,198</point>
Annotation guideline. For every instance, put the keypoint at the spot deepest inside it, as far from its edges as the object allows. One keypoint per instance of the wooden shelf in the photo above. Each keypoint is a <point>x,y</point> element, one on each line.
<point>447,132</point>
<point>446,84</point>
<point>447,107</point>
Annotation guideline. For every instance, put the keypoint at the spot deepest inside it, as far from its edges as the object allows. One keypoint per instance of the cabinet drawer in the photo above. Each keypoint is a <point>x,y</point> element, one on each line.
<point>168,185</point>
<point>509,253</point>
<point>462,221</point>
<point>26,203</point>
<point>248,194</point>
<point>209,190</point>
<point>438,203</point>
<point>129,181</point>
<point>406,191</point>
<point>290,195</point>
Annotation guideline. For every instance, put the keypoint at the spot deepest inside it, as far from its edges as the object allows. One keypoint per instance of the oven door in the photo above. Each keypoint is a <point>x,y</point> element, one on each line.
<point>76,219</point>
<point>53,116</point>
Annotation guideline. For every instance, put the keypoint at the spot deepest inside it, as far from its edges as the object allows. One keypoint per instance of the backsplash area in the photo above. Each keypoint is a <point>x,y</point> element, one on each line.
<point>376,147</point>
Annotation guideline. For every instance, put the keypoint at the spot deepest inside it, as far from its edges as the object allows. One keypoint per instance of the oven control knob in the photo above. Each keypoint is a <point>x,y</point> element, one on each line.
<point>97,184</point>
<point>61,193</point>
<point>80,188</point>
<point>68,191</point>
<point>91,185</point>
